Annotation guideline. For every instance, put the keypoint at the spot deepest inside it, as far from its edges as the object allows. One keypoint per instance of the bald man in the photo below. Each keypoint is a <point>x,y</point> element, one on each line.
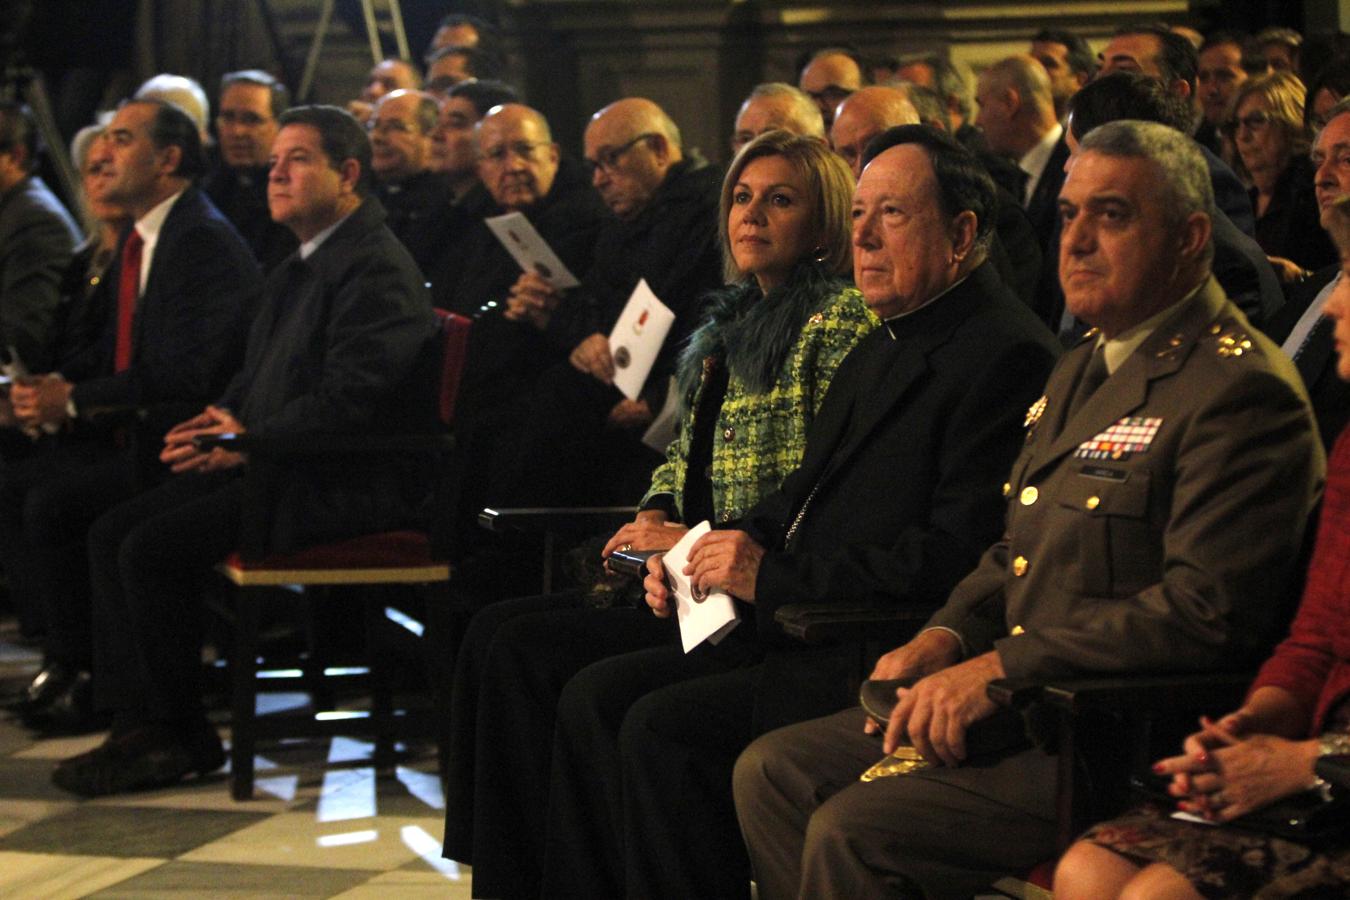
<point>523,171</point>
<point>665,199</point>
<point>776,105</point>
<point>864,115</point>
<point>413,196</point>
<point>1017,113</point>
<point>828,78</point>
<point>386,76</point>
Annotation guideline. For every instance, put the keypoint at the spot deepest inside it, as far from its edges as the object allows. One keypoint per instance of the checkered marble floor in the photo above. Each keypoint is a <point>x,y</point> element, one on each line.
<point>321,824</point>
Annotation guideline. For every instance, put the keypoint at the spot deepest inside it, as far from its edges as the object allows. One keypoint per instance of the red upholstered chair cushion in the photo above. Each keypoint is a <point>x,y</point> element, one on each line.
<point>393,556</point>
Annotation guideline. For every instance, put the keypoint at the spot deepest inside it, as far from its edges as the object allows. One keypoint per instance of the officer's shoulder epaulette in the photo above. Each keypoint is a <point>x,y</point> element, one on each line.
<point>1230,339</point>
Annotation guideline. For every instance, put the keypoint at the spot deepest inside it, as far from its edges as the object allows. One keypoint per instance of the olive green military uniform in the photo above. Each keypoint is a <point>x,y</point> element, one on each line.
<point>1155,529</point>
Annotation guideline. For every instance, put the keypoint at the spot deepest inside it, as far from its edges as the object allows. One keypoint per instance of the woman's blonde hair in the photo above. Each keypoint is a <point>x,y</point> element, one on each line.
<point>829,188</point>
<point>1284,95</point>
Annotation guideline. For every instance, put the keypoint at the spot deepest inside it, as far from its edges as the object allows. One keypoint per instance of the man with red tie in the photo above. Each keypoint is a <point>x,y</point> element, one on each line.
<point>173,333</point>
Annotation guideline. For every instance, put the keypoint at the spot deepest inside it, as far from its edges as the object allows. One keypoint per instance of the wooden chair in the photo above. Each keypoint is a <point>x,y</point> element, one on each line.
<point>371,562</point>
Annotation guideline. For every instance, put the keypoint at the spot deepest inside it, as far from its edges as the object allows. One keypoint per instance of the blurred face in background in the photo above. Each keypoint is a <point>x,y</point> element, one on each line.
<point>1217,80</point>
<point>452,146</point>
<point>1261,141</point>
<point>399,148</point>
<point>246,125</point>
<point>516,160</point>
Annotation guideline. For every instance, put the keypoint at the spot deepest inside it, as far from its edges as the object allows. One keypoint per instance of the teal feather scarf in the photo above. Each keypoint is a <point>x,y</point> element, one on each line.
<point>753,334</point>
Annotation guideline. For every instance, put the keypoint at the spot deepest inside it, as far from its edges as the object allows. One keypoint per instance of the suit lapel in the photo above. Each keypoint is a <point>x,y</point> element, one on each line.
<point>1161,355</point>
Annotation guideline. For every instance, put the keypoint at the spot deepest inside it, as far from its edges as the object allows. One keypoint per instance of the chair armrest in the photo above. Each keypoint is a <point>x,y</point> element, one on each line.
<point>1335,769</point>
<point>1207,690</point>
<point>310,445</point>
<point>1014,693</point>
<point>814,623</point>
<point>538,520</point>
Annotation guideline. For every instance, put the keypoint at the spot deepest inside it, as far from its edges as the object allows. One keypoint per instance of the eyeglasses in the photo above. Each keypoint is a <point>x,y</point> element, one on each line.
<point>521,149</point>
<point>384,126</point>
<point>605,160</point>
<point>1253,121</point>
<point>247,119</point>
<point>831,94</point>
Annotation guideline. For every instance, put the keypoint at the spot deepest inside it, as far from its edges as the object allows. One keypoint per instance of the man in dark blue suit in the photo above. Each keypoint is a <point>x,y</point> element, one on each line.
<point>333,349</point>
<point>175,314</point>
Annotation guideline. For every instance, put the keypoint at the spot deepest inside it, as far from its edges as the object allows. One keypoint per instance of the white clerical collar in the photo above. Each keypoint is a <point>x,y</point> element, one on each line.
<point>929,302</point>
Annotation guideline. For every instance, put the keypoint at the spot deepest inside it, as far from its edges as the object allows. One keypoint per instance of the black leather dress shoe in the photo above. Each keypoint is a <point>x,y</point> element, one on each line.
<point>48,684</point>
<point>150,757</point>
<point>69,712</point>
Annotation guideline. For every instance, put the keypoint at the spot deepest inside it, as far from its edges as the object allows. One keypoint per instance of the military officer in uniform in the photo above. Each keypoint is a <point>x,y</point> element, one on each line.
<point>1154,516</point>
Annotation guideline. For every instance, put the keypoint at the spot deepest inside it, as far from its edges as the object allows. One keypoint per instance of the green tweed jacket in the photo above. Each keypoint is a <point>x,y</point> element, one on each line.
<point>759,436</point>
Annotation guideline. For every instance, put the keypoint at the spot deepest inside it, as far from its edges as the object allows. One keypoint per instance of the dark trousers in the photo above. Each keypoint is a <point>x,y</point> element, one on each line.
<point>149,558</point>
<point>640,802</point>
<point>516,657</point>
<point>48,501</point>
<point>815,830</point>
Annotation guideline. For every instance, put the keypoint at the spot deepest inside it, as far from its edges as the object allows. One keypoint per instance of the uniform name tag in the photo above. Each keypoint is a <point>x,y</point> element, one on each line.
<point>1104,473</point>
<point>1130,435</point>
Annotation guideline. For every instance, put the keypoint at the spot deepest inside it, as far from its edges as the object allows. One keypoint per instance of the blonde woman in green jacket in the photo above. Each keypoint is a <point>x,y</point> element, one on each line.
<point>752,377</point>
<point>755,371</point>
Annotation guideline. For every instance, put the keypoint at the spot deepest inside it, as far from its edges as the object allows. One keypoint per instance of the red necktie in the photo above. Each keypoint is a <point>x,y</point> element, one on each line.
<point>128,291</point>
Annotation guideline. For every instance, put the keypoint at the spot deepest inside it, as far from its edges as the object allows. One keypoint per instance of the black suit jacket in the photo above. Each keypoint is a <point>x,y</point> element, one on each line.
<point>336,349</point>
<point>37,240</point>
<point>899,484</point>
<point>1043,205</point>
<point>188,332</point>
<point>1316,361</point>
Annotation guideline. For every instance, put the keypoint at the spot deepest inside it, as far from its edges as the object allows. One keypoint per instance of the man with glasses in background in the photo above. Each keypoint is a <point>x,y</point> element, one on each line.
<point>250,102</point>
<point>400,139</point>
<point>830,76</point>
<point>580,439</point>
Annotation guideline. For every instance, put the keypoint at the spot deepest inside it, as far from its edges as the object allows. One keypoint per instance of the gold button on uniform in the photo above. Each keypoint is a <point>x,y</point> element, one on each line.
<point>1093,502</point>
<point>729,434</point>
<point>1017,629</point>
<point>1029,495</point>
<point>1020,566</point>
<point>1007,489</point>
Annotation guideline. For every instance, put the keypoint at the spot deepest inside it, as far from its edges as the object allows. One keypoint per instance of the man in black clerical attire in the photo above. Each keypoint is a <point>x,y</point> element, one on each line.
<point>333,349</point>
<point>246,124</point>
<point>413,195</point>
<point>523,171</point>
<point>581,438</point>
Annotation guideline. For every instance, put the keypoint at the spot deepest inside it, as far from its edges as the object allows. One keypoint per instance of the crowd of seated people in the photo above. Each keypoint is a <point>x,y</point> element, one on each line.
<point>1052,359</point>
